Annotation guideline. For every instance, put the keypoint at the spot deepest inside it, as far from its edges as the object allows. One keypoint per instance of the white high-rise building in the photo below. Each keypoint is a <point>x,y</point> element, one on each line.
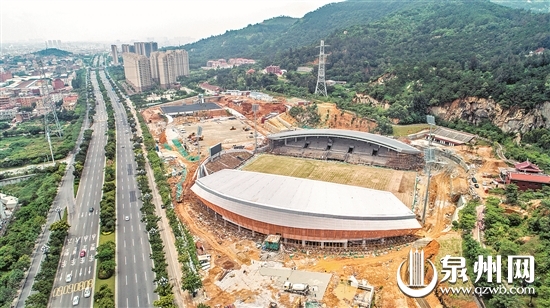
<point>114,54</point>
<point>167,66</point>
<point>137,69</point>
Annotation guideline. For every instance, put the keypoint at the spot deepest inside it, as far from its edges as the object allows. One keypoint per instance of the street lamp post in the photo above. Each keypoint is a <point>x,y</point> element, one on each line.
<point>58,210</point>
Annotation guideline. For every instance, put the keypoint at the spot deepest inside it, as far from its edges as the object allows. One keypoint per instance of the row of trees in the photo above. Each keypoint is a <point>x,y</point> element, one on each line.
<point>36,196</point>
<point>107,214</point>
<point>185,244</point>
<point>44,280</point>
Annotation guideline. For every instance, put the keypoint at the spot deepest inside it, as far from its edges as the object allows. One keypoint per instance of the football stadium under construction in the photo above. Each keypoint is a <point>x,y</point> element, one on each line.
<point>311,212</point>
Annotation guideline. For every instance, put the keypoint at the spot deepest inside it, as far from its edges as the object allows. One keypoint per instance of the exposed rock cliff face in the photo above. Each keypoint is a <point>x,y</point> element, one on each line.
<point>476,110</point>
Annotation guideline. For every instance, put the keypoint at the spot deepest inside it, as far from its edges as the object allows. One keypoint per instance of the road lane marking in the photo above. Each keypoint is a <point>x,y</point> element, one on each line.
<point>124,260</point>
<point>136,278</point>
<point>148,300</point>
<point>124,243</point>
<point>134,258</point>
<point>133,242</point>
<point>143,256</point>
<point>75,287</point>
<point>126,284</point>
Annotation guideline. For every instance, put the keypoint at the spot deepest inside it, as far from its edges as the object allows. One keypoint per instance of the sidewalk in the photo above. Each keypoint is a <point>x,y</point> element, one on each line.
<point>173,269</point>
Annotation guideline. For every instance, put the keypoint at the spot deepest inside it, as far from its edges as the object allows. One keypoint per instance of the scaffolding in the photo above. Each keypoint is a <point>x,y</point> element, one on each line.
<point>183,152</point>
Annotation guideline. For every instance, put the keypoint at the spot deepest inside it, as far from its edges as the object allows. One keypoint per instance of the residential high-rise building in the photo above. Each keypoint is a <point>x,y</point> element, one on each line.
<point>138,71</point>
<point>145,48</point>
<point>114,54</point>
<point>127,48</point>
<point>167,66</point>
<point>153,58</point>
<point>166,69</point>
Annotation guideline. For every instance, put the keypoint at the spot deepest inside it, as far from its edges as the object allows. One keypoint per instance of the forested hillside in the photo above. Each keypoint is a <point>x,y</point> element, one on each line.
<point>438,52</point>
<point>281,33</point>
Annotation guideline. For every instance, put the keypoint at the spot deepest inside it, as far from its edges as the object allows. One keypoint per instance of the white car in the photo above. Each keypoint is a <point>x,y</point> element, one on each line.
<point>127,218</point>
<point>87,292</point>
<point>68,278</point>
<point>76,299</point>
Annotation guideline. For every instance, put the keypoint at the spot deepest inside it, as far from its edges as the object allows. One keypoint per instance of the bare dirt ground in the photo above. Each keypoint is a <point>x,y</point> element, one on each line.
<point>332,117</point>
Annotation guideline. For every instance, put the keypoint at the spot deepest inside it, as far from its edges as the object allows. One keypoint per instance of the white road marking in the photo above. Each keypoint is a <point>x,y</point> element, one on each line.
<point>133,242</point>
<point>134,258</point>
<point>126,284</point>
<point>124,243</point>
<point>132,228</point>
<point>148,300</point>
<point>143,257</point>
<point>124,260</point>
<point>136,282</point>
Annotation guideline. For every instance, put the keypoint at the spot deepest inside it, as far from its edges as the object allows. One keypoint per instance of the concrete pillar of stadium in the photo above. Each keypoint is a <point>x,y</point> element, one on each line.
<point>322,244</point>
<point>364,243</point>
<point>303,243</point>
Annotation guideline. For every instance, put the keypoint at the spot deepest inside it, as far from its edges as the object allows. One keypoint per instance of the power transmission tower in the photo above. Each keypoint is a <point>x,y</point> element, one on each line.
<point>321,87</point>
<point>50,112</point>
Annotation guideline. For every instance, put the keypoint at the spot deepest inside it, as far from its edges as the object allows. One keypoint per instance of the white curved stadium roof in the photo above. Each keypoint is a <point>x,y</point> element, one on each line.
<point>393,144</point>
<point>303,203</point>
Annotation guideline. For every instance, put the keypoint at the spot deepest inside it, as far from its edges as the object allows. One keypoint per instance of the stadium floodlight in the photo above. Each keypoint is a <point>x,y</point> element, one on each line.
<point>255,108</point>
<point>429,155</point>
<point>430,119</point>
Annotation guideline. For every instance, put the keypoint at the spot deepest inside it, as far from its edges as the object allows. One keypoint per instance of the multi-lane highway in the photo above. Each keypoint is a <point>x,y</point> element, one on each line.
<point>64,199</point>
<point>135,279</point>
<point>77,259</point>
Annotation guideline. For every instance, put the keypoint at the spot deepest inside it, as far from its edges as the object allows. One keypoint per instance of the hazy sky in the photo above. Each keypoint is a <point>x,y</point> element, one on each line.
<point>128,20</point>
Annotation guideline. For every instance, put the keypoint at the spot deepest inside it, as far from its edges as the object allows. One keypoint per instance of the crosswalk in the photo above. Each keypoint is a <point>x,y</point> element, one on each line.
<point>71,255</point>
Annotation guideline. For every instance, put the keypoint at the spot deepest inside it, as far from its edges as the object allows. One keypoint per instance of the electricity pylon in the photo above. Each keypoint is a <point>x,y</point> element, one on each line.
<point>321,86</point>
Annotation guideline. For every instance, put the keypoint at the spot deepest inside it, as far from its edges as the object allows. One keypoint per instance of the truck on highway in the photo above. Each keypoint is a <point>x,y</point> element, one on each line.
<point>298,288</point>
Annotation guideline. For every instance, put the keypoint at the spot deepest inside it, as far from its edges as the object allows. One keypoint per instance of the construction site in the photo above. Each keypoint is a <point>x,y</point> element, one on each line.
<point>249,269</point>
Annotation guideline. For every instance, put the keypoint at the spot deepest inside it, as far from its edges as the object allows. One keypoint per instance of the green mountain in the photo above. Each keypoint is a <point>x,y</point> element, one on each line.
<point>282,33</point>
<point>52,52</point>
<point>440,51</point>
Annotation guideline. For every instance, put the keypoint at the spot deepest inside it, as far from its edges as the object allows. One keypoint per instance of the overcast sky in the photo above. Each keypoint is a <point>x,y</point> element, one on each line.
<point>129,20</point>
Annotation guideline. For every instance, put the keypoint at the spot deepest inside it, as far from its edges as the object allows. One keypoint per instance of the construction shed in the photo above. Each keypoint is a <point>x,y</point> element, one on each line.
<point>272,242</point>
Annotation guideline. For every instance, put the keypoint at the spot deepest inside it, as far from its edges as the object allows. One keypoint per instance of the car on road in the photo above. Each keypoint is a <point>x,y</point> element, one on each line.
<point>69,278</point>
<point>83,253</point>
<point>127,218</point>
<point>476,185</point>
<point>87,292</point>
<point>91,209</point>
<point>76,299</point>
<point>474,180</point>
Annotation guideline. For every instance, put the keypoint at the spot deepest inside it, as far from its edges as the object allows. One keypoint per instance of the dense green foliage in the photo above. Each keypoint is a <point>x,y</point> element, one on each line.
<point>52,52</point>
<point>439,52</point>
<point>262,40</point>
<point>509,233</point>
<point>106,254</point>
<point>44,280</point>
<point>17,245</point>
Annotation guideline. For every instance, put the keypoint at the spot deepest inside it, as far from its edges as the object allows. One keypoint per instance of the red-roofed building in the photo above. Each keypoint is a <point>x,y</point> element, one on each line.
<point>210,89</point>
<point>526,181</point>
<point>58,84</point>
<point>69,102</point>
<point>273,69</point>
<point>528,167</point>
<point>5,76</point>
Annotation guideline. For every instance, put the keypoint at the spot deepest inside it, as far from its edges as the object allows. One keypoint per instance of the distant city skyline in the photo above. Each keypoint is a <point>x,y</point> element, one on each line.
<point>168,22</point>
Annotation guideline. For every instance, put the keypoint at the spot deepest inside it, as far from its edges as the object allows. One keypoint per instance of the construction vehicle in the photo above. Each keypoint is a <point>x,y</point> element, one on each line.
<point>298,288</point>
